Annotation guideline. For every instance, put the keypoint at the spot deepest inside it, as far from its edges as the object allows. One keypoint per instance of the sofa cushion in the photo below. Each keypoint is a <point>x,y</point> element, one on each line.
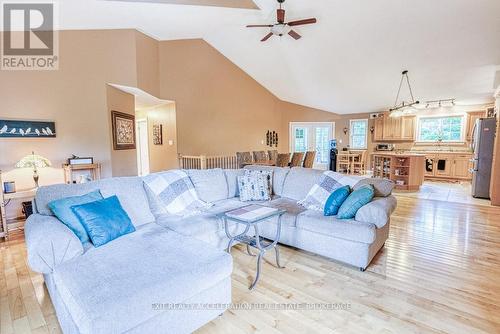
<point>315,221</point>
<point>210,184</point>
<point>299,181</point>
<point>290,206</point>
<point>383,187</point>
<point>279,176</point>
<point>129,190</point>
<point>111,289</point>
<point>232,181</point>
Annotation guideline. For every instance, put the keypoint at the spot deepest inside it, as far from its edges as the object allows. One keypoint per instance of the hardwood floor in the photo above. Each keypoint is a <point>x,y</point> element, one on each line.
<point>438,273</point>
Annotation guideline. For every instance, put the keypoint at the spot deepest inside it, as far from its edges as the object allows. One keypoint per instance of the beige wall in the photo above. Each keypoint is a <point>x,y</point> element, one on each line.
<point>220,109</point>
<point>123,162</point>
<point>162,157</point>
<point>73,96</point>
<point>148,74</point>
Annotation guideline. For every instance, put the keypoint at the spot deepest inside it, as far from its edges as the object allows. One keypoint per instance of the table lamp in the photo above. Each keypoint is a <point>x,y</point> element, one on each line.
<point>34,161</point>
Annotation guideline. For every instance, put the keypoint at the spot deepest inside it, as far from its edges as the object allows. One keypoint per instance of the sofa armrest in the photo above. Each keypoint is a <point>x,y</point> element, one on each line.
<point>378,211</point>
<point>49,243</point>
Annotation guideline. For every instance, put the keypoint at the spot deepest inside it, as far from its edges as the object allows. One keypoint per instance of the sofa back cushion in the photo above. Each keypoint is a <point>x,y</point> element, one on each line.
<point>232,181</point>
<point>299,181</point>
<point>129,190</point>
<point>210,184</point>
<point>383,187</point>
<point>279,176</point>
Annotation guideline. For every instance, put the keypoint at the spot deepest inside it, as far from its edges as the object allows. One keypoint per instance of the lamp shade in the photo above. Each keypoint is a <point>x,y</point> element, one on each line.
<point>33,161</point>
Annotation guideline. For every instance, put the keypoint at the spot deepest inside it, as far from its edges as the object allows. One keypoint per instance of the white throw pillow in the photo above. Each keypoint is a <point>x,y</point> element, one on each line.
<point>253,187</point>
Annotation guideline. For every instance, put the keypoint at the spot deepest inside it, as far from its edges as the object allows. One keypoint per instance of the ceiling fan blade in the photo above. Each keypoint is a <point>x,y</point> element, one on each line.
<point>281,15</point>
<point>294,34</point>
<point>266,37</point>
<point>301,22</point>
<point>259,26</point>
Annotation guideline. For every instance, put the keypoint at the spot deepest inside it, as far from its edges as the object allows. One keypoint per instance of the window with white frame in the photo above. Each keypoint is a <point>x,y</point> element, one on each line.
<point>358,134</point>
<point>445,129</point>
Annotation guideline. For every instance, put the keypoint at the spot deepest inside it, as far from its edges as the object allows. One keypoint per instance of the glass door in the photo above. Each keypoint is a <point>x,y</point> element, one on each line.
<point>313,136</point>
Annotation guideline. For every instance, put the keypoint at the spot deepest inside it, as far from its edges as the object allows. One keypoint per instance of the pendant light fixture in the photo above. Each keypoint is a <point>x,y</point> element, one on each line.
<point>404,107</point>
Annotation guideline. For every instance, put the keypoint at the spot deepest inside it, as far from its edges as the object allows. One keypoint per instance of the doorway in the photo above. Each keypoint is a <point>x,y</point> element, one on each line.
<point>313,136</point>
<point>142,147</point>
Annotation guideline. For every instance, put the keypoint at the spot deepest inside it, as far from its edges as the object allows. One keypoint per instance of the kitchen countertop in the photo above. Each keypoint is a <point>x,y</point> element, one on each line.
<point>399,154</point>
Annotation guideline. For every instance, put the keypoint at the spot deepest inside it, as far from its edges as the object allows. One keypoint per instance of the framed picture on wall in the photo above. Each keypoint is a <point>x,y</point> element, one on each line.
<point>158,134</point>
<point>123,130</point>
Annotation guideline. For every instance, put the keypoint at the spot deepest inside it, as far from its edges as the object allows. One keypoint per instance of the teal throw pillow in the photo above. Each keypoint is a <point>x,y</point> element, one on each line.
<point>355,201</point>
<point>104,220</point>
<point>335,200</point>
<point>62,210</point>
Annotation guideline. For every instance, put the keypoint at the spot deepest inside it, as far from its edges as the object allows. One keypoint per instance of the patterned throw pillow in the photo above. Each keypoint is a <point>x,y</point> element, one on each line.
<point>267,174</point>
<point>253,187</point>
<point>319,193</point>
<point>174,190</point>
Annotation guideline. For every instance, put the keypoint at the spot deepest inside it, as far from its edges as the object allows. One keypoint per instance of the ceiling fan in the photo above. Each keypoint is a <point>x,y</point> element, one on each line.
<point>281,27</point>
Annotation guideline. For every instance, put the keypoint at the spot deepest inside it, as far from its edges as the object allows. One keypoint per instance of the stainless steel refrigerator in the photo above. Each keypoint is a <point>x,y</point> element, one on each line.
<point>482,145</point>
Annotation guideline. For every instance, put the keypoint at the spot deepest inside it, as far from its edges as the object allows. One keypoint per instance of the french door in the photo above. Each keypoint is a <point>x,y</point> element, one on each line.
<point>313,136</point>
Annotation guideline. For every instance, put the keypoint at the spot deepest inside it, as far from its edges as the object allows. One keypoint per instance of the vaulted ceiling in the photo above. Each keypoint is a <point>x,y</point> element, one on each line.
<point>350,61</point>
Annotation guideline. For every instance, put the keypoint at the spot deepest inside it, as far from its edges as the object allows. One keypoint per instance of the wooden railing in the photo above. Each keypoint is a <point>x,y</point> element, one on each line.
<point>207,162</point>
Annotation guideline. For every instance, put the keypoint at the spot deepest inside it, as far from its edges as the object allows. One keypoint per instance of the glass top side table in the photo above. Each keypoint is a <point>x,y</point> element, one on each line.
<point>251,216</point>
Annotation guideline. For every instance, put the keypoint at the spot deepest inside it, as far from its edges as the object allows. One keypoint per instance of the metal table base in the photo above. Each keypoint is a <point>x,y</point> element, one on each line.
<point>258,242</point>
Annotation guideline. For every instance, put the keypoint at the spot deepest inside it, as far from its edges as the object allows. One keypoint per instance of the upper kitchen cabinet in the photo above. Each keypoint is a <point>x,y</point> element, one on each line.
<point>388,128</point>
<point>471,121</point>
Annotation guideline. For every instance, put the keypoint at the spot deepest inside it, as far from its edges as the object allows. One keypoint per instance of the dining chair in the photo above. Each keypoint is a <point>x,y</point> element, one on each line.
<point>343,163</point>
<point>260,156</point>
<point>297,158</point>
<point>359,162</point>
<point>309,159</point>
<point>243,158</point>
<point>273,156</point>
<point>283,160</point>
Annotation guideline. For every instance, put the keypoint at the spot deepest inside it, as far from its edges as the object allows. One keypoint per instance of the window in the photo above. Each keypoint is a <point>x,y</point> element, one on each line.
<point>300,140</point>
<point>446,129</point>
<point>359,131</point>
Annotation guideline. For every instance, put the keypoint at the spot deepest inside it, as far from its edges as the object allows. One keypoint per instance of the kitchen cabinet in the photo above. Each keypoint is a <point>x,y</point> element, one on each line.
<point>461,166</point>
<point>471,121</point>
<point>388,128</point>
<point>378,129</point>
<point>406,170</point>
<point>430,165</point>
<point>448,166</point>
<point>443,166</point>
<point>408,124</point>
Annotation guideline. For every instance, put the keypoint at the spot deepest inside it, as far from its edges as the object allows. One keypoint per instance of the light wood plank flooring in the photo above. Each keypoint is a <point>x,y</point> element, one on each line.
<point>438,273</point>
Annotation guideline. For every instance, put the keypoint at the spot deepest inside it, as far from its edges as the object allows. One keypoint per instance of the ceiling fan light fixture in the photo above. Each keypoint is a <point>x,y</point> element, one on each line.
<point>280,29</point>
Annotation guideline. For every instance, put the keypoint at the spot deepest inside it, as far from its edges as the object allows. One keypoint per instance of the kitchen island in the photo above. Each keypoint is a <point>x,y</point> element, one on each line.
<point>405,169</point>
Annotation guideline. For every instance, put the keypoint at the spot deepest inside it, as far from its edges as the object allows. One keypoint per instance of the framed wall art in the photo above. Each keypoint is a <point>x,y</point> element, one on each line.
<point>157,134</point>
<point>123,130</point>
<point>28,129</point>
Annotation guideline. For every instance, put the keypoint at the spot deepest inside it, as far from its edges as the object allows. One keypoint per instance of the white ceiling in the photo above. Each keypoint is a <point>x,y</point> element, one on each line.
<point>350,61</point>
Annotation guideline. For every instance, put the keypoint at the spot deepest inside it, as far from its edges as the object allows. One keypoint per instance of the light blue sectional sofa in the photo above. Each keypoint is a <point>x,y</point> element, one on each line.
<point>129,284</point>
